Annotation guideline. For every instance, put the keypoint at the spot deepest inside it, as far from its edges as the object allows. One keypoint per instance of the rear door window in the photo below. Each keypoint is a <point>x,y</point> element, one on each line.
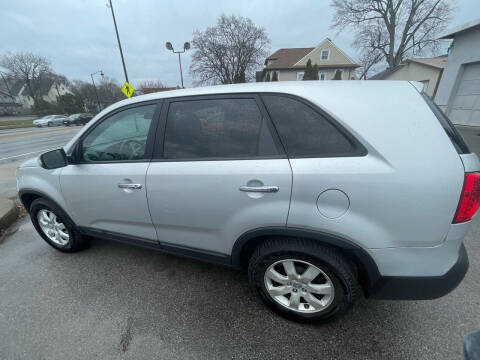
<point>305,132</point>
<point>218,128</point>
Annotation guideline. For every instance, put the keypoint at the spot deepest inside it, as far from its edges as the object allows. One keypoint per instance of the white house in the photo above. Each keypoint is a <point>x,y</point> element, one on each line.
<point>289,64</point>
<point>49,90</point>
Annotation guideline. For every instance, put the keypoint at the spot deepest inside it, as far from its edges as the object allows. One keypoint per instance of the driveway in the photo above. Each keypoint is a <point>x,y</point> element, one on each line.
<point>114,301</point>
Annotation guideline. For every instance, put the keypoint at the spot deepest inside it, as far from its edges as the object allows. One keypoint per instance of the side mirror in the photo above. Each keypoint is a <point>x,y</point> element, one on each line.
<point>54,159</point>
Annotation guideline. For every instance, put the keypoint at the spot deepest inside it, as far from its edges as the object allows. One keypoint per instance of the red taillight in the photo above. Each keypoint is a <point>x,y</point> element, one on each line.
<point>470,198</point>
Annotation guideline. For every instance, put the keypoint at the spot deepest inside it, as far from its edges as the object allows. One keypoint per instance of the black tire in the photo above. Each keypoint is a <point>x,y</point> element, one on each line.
<point>76,241</point>
<point>329,260</point>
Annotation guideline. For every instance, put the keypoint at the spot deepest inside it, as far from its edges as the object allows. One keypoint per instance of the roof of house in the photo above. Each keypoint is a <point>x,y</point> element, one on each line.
<point>286,58</point>
<point>450,34</point>
<point>438,62</point>
<point>44,87</point>
<point>16,87</point>
<point>383,74</point>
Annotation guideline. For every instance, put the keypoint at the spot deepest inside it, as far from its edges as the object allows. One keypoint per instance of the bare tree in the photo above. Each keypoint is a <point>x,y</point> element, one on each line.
<point>28,68</point>
<point>228,51</point>
<point>368,61</point>
<point>108,93</point>
<point>392,30</point>
<point>149,84</point>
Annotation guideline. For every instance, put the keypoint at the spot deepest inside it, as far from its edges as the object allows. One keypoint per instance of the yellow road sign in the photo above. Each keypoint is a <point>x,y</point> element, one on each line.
<point>127,89</point>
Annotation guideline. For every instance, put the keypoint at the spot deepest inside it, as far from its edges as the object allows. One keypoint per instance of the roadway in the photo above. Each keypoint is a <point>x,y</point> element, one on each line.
<point>16,144</point>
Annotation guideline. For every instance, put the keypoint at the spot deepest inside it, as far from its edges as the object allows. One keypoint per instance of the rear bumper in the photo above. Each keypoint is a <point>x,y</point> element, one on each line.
<point>421,288</point>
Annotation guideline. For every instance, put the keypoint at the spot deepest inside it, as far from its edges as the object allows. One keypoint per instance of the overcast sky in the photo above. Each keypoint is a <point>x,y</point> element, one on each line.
<point>79,38</point>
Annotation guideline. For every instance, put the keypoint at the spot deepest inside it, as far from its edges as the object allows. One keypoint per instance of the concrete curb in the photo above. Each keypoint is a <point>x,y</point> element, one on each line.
<point>8,213</point>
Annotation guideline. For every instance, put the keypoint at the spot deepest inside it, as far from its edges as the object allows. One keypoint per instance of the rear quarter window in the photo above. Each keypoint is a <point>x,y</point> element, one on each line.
<point>305,132</point>
<point>447,125</point>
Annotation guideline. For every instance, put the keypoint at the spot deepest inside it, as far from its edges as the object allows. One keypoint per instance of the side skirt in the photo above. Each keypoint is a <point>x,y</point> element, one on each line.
<point>184,251</point>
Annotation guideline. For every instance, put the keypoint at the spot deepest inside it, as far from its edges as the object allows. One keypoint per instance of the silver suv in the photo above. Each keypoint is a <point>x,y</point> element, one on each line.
<point>319,189</point>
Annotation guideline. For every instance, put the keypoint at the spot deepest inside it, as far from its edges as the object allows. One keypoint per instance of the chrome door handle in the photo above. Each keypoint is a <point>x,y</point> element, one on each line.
<point>263,189</point>
<point>130,186</point>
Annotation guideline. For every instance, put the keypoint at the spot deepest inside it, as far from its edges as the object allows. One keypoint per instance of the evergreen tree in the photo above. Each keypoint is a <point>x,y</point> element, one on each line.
<point>338,75</point>
<point>308,73</point>
<point>268,77</point>
<point>315,72</point>
<point>239,78</point>
<point>275,76</point>
<point>311,72</point>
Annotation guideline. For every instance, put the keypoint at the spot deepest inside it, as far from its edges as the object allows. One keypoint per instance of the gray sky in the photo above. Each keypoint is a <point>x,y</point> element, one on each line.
<point>79,38</point>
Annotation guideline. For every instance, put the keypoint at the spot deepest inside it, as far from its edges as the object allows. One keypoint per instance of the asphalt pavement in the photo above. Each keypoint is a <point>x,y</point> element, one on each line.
<point>114,301</point>
<point>18,144</point>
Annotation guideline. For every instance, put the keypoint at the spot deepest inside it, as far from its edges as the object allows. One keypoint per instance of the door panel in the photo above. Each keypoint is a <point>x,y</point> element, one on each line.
<point>199,204</point>
<point>96,201</point>
<point>105,187</point>
<point>213,146</point>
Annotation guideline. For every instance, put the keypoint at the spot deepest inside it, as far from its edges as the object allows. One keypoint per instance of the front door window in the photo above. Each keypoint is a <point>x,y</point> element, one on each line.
<point>120,137</point>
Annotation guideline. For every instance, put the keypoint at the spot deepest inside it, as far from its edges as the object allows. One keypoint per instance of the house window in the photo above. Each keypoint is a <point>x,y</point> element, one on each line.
<point>325,54</point>
<point>300,75</point>
<point>322,76</point>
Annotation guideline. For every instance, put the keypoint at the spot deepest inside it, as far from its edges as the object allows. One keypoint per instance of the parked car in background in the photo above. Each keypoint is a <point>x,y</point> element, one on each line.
<point>317,188</point>
<point>78,119</point>
<point>49,120</point>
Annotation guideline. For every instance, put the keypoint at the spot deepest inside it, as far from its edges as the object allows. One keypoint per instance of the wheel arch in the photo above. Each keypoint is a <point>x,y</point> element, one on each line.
<point>368,271</point>
<point>28,196</point>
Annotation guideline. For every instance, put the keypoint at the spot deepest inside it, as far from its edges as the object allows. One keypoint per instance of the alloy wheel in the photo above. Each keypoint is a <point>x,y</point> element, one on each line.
<point>53,227</point>
<point>299,286</point>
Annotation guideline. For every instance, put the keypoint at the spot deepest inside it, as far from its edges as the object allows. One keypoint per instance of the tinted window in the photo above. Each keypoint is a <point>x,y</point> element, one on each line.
<point>303,131</point>
<point>447,125</point>
<point>223,128</point>
<point>122,136</point>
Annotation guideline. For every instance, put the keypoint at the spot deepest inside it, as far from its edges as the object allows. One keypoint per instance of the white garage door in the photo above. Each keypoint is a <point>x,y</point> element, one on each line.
<point>466,102</point>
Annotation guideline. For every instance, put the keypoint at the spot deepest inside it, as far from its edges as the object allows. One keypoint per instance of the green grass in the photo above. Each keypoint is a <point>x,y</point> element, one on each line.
<point>15,124</point>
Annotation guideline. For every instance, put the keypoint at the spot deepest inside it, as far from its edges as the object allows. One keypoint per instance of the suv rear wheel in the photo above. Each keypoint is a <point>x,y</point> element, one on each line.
<point>55,227</point>
<point>303,280</point>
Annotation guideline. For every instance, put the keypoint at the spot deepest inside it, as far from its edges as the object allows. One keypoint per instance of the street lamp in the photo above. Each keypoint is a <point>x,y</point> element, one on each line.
<point>96,93</point>
<point>186,46</point>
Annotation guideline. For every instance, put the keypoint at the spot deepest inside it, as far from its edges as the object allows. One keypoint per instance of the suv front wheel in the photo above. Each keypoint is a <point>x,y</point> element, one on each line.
<point>303,280</point>
<point>55,227</point>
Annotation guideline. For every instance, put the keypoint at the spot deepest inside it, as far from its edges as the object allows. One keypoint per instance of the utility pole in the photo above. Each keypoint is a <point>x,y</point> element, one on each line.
<point>118,38</point>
